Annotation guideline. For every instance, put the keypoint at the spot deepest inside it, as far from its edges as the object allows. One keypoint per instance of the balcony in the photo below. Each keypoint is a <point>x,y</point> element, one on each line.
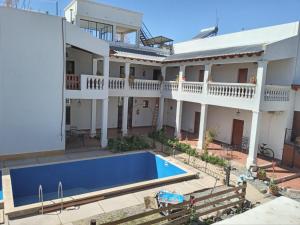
<point>84,86</point>
<point>136,88</point>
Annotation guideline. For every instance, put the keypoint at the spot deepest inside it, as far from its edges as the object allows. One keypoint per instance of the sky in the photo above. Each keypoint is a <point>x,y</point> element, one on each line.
<point>181,20</point>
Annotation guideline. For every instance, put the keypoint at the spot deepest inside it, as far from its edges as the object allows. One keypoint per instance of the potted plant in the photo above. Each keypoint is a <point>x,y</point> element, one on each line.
<point>261,174</point>
<point>253,80</point>
<point>131,79</point>
<point>273,188</point>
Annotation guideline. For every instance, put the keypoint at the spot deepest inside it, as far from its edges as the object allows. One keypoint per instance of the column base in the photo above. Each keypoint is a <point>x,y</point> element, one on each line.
<point>199,146</point>
<point>104,143</point>
<point>93,134</point>
<point>124,133</point>
<point>250,163</point>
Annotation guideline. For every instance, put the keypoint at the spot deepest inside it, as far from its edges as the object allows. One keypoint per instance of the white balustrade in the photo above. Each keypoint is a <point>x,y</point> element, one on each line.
<point>192,87</point>
<point>92,82</point>
<point>116,83</point>
<point>145,85</point>
<point>277,93</point>
<point>235,90</point>
<point>170,86</point>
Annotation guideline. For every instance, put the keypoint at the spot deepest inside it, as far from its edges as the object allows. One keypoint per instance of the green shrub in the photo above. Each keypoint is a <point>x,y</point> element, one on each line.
<point>127,144</point>
<point>213,159</point>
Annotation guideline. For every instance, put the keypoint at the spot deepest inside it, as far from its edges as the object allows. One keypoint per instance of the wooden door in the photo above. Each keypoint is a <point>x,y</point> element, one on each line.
<point>237,132</point>
<point>296,125</point>
<point>242,75</point>
<point>288,155</point>
<point>201,75</point>
<point>130,111</point>
<point>196,122</point>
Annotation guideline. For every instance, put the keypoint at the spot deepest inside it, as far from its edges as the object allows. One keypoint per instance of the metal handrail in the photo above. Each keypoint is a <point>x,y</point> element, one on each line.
<point>60,195</point>
<point>41,197</point>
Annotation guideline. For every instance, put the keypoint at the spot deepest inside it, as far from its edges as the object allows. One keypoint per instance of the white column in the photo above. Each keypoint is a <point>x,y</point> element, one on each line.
<point>104,118</point>
<point>207,73</point>
<point>181,75</point>
<point>178,119</point>
<point>95,66</point>
<point>93,117</point>
<point>125,116</point>
<point>202,126</point>
<point>104,108</point>
<point>127,71</point>
<point>254,138</point>
<point>260,83</point>
<point>160,121</point>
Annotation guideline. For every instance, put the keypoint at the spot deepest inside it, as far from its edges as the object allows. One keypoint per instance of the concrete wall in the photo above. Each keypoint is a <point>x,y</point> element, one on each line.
<point>280,72</point>
<point>31,71</point>
<point>192,73</point>
<point>172,73</point>
<point>142,116</point>
<point>81,113</point>
<point>297,101</point>
<point>83,61</point>
<point>229,72</point>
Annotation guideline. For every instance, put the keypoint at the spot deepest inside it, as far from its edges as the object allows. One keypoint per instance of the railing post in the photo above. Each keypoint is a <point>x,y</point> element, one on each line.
<point>180,78</point>
<point>126,81</point>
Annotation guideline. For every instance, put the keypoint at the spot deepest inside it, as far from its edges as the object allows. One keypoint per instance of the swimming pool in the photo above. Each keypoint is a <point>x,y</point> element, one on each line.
<point>89,175</point>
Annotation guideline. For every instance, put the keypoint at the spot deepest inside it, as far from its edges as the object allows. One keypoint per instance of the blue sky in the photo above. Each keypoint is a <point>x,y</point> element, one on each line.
<point>182,19</point>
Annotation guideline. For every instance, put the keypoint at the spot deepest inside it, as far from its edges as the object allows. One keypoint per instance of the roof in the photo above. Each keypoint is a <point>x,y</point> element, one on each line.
<point>281,210</point>
<point>138,54</point>
<point>158,40</point>
<point>215,53</point>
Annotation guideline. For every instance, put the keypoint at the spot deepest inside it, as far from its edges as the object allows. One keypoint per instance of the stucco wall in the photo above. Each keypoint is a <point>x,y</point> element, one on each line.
<point>83,61</point>
<point>280,72</point>
<point>142,116</point>
<point>171,73</point>
<point>229,72</point>
<point>192,73</point>
<point>81,113</point>
<point>31,71</point>
<point>297,101</point>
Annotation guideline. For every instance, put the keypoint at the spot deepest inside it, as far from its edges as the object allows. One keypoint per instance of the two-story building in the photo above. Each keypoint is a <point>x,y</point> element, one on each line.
<point>99,69</point>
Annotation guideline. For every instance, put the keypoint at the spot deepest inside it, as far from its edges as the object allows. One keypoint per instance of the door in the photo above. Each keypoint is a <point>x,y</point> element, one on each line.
<point>296,125</point>
<point>197,122</point>
<point>130,111</point>
<point>201,76</point>
<point>237,132</point>
<point>156,74</point>
<point>242,75</point>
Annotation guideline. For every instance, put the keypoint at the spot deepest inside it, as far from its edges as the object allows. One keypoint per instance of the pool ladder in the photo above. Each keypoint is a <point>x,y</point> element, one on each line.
<point>60,194</point>
<point>41,197</point>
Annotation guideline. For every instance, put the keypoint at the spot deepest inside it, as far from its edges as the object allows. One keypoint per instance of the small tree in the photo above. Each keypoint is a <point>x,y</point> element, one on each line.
<point>209,137</point>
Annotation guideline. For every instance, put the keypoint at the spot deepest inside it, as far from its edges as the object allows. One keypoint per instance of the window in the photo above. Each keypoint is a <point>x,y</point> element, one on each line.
<point>70,67</point>
<point>132,71</point>
<point>145,104</point>
<point>122,71</point>
<point>100,30</point>
<point>68,115</point>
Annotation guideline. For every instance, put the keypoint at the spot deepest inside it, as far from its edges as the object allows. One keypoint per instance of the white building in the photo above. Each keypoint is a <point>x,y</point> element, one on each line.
<point>91,71</point>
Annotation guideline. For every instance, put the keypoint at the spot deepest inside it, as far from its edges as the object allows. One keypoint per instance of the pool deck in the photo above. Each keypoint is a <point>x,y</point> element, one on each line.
<point>67,216</point>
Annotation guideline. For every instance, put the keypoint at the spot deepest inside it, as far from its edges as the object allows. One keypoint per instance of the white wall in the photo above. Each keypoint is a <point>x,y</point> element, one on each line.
<point>81,113</point>
<point>280,72</point>
<point>172,73</point>
<point>229,72</point>
<point>31,71</point>
<point>220,121</point>
<point>297,101</point>
<point>192,73</point>
<point>83,61</point>
<point>170,112</point>
<point>145,115</point>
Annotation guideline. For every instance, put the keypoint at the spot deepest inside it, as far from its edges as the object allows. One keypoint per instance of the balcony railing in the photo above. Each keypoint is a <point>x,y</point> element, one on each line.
<point>170,86</point>
<point>192,87</point>
<point>145,85</point>
<point>92,82</point>
<point>234,90</point>
<point>116,83</point>
<point>277,93</point>
<point>72,82</point>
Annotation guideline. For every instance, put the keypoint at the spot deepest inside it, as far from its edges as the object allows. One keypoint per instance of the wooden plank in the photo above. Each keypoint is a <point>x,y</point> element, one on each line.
<point>219,208</point>
<point>219,200</point>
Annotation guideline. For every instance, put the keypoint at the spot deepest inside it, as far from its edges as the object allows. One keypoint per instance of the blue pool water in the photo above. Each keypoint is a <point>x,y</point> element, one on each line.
<point>88,175</point>
<point>1,193</point>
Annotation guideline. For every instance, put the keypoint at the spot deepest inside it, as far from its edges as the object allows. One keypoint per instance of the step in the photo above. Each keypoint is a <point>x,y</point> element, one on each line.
<point>286,178</point>
<point>266,166</point>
